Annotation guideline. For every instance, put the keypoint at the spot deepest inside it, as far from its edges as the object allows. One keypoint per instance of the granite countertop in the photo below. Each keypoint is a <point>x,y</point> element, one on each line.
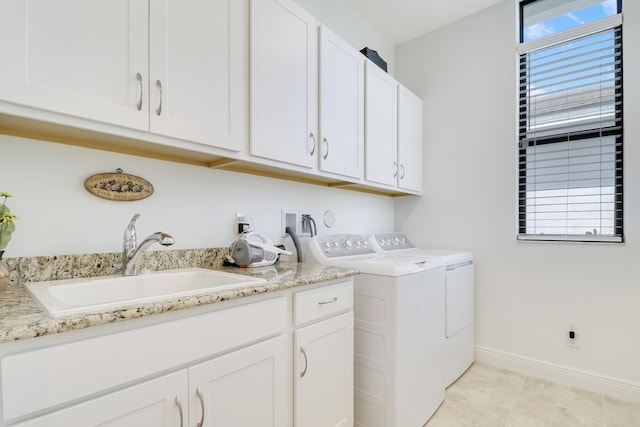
<point>21,317</point>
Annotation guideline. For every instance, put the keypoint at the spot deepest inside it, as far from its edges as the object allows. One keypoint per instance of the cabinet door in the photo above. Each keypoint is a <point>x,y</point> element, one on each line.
<point>409,140</point>
<point>199,71</point>
<point>324,373</point>
<point>160,403</point>
<point>341,106</point>
<point>381,124</point>
<point>85,58</point>
<point>284,82</point>
<point>243,388</point>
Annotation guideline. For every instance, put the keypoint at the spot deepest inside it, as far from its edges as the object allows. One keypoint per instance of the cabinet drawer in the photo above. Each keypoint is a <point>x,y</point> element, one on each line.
<point>321,302</point>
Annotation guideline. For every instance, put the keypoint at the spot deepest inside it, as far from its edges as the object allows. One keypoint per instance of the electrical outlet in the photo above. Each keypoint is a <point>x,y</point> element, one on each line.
<point>243,223</point>
<point>572,338</point>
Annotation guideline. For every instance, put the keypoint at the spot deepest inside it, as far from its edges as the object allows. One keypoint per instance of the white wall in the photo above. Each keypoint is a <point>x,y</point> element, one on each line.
<point>196,205</point>
<point>528,294</point>
<point>343,20</point>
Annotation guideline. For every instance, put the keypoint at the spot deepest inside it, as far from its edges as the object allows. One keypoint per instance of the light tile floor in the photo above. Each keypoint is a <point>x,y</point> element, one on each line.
<point>490,397</point>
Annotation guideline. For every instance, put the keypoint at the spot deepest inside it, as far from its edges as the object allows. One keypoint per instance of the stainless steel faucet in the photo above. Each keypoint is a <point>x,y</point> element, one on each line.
<point>132,253</point>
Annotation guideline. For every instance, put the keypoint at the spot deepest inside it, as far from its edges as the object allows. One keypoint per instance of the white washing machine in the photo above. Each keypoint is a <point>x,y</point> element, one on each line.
<point>398,344</point>
<point>459,329</point>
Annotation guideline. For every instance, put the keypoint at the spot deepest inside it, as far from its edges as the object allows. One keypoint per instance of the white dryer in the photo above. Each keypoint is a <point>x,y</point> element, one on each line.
<point>459,329</point>
<point>399,315</point>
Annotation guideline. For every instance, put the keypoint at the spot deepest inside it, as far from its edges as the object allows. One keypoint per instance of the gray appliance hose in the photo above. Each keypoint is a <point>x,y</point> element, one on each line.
<point>296,242</point>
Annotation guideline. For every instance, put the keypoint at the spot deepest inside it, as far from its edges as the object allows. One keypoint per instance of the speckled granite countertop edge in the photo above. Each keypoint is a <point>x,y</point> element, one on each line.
<point>21,317</point>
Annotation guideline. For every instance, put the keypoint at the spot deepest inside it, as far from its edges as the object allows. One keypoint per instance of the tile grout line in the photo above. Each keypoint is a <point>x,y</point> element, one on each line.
<point>515,401</point>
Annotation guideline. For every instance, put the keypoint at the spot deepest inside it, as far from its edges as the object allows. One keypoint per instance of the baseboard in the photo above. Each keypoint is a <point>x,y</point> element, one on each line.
<point>565,375</point>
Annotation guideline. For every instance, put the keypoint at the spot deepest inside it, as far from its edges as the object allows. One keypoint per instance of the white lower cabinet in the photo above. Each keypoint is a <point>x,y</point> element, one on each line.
<point>231,366</point>
<point>324,374</point>
<point>243,388</point>
<point>323,361</point>
<point>159,402</point>
<point>212,393</point>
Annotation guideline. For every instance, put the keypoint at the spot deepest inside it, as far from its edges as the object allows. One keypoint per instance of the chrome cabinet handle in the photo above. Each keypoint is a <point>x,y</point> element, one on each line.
<point>395,165</point>
<point>179,404</point>
<point>201,397</point>
<point>331,301</point>
<point>326,144</point>
<point>402,171</point>
<point>159,86</point>
<point>139,104</point>
<point>313,138</point>
<point>306,363</point>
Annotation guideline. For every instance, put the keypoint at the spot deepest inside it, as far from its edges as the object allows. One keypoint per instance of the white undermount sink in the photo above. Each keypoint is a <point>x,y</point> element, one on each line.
<point>75,296</point>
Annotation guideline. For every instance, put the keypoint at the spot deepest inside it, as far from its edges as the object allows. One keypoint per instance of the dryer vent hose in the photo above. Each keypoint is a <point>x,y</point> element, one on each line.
<point>296,242</point>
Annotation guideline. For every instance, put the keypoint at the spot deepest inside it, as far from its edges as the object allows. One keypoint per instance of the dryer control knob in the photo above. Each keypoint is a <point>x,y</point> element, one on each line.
<point>348,243</point>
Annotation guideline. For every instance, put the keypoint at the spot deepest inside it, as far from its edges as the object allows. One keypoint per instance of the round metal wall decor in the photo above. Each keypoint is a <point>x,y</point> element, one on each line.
<point>118,186</point>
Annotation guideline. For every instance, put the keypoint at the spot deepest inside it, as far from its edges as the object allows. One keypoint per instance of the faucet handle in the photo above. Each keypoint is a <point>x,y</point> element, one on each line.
<point>130,233</point>
<point>134,219</point>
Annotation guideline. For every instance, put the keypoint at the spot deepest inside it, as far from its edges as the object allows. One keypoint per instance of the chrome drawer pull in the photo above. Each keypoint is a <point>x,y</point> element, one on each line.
<point>313,147</point>
<point>331,301</point>
<point>201,397</point>
<point>179,403</point>
<point>159,109</point>
<point>139,104</point>
<point>306,363</point>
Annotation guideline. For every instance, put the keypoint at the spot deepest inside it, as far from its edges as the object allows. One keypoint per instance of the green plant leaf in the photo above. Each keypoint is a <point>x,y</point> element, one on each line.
<point>5,235</point>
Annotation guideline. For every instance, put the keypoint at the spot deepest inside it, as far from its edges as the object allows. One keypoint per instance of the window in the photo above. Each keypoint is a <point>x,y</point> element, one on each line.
<point>570,120</point>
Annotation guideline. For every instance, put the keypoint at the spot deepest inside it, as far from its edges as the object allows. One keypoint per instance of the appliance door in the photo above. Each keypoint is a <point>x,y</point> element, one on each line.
<point>459,297</point>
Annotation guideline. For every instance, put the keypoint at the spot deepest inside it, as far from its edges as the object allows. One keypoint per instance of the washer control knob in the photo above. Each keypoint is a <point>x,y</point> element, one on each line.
<point>336,245</point>
<point>348,244</point>
<point>396,240</point>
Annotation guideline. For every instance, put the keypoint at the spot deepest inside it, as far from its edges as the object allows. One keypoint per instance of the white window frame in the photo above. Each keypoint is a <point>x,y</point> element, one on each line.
<point>522,49</point>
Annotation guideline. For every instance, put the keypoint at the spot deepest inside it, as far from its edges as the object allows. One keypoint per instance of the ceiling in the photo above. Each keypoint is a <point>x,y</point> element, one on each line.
<point>402,20</point>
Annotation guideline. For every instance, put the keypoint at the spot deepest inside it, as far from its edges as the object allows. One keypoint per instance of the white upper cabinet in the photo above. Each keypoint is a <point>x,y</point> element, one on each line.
<point>198,71</point>
<point>175,67</point>
<point>284,82</point>
<point>409,140</point>
<point>341,106</point>
<point>84,58</point>
<point>381,126</point>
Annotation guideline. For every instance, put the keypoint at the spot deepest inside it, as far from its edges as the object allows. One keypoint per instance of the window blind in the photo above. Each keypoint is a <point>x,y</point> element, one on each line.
<point>570,140</point>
